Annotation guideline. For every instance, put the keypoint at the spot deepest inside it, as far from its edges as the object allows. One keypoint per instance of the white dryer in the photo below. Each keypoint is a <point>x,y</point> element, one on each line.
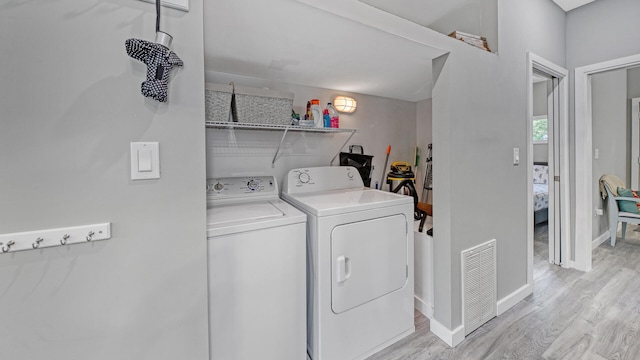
<point>359,262</point>
<point>257,282</point>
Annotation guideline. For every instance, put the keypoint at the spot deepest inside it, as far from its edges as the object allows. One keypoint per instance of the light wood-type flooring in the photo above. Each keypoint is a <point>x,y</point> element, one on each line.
<point>570,315</point>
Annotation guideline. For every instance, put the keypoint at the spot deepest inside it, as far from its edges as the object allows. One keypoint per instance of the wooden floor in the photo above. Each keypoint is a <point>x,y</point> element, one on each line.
<point>570,315</point>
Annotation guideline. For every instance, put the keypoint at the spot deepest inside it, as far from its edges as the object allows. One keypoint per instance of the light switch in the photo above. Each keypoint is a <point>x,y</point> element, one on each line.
<point>145,160</point>
<point>516,156</point>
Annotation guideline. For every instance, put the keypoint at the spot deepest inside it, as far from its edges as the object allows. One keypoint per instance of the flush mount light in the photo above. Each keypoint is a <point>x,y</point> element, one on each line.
<point>345,104</point>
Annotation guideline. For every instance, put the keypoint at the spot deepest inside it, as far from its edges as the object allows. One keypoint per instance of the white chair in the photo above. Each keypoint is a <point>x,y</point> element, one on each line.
<point>615,215</point>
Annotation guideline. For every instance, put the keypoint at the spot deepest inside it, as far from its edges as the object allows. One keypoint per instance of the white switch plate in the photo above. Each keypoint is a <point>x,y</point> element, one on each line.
<point>596,154</point>
<point>140,166</point>
<point>516,156</point>
<point>176,4</point>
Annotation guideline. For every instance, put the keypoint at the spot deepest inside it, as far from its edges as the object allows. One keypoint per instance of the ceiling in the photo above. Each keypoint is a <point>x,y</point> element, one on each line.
<point>291,42</point>
<point>568,5</point>
<point>423,12</point>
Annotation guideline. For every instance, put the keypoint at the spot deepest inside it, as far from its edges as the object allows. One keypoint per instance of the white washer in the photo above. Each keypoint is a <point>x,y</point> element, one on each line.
<point>257,282</point>
<point>360,262</point>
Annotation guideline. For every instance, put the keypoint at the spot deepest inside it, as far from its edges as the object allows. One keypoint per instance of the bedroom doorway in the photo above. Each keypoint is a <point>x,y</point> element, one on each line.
<point>584,151</point>
<point>543,131</point>
<point>552,82</point>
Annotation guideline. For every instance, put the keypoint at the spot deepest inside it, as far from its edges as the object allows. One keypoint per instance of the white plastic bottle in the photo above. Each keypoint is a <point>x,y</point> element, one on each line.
<point>316,113</point>
<point>333,115</point>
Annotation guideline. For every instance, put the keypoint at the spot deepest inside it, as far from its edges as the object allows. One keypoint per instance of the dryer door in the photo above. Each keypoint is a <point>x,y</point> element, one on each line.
<point>369,260</point>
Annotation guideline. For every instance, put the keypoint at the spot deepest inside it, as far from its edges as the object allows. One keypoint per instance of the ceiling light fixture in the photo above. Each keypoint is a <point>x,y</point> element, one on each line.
<point>345,104</point>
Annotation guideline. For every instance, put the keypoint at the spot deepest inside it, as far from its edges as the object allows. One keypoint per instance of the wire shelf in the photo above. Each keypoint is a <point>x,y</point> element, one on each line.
<point>283,128</point>
<point>251,126</point>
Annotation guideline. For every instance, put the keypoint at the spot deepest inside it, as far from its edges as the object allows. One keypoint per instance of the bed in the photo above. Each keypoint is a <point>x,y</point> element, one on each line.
<point>540,192</point>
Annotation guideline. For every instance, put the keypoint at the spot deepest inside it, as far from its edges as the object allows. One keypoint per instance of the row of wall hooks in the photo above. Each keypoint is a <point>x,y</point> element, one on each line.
<point>32,240</point>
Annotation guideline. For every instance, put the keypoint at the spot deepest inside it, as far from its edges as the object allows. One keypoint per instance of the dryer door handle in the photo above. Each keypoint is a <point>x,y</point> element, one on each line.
<point>343,268</point>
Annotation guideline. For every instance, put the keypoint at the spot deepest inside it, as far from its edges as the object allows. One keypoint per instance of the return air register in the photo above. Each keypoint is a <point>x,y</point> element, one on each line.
<point>478,285</point>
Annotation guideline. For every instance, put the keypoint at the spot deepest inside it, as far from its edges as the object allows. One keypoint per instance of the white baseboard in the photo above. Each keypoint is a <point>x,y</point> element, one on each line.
<point>456,336</point>
<point>600,239</point>
<point>512,299</point>
<point>424,307</point>
<point>451,337</point>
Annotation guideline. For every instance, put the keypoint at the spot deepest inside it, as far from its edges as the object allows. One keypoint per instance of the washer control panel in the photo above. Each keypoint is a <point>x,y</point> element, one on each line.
<point>247,187</point>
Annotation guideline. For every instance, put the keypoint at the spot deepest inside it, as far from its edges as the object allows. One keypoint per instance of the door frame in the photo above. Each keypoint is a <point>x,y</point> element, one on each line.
<point>583,154</point>
<point>635,143</point>
<point>545,66</point>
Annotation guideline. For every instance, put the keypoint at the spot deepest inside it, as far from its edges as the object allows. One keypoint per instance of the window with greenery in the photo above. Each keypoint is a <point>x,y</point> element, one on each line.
<point>540,129</point>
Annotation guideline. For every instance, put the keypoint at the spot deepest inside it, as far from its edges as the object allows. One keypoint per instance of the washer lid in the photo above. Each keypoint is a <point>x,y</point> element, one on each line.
<point>344,201</point>
<point>235,218</point>
<point>242,213</point>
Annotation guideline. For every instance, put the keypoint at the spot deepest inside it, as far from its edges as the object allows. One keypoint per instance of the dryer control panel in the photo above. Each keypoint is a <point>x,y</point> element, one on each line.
<point>323,178</point>
<point>238,189</point>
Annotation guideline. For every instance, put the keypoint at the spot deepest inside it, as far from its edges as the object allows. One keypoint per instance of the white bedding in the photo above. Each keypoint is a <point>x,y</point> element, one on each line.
<point>540,196</point>
<point>540,187</point>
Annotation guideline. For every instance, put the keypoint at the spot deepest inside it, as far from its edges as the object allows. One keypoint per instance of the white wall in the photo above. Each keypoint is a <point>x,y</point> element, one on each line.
<point>475,17</point>
<point>611,129</point>
<point>602,30</point>
<point>379,122</point>
<point>71,104</point>
<point>424,138</point>
<point>633,83</point>
<point>479,116</point>
<point>423,249</point>
<point>540,103</point>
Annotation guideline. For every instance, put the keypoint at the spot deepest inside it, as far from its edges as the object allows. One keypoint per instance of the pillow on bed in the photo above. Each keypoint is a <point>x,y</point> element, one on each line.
<point>625,205</point>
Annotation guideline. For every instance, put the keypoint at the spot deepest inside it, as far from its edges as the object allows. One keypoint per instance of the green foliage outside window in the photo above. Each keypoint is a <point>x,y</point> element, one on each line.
<point>540,130</point>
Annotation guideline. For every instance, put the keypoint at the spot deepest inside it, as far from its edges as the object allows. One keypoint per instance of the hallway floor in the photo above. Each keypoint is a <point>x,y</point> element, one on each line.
<point>570,315</point>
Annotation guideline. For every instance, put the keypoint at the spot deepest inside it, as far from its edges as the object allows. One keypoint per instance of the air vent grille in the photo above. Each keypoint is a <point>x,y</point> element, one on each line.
<point>478,285</point>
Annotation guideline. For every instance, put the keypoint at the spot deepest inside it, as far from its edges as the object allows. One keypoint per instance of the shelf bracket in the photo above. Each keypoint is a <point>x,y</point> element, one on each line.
<point>340,149</point>
<point>275,156</point>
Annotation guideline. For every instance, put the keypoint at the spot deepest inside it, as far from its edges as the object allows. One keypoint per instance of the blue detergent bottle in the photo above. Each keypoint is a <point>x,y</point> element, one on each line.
<point>326,117</point>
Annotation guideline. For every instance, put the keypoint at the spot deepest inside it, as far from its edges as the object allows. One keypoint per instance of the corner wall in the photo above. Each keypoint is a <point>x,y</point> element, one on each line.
<point>476,125</point>
<point>71,104</point>
<point>424,125</point>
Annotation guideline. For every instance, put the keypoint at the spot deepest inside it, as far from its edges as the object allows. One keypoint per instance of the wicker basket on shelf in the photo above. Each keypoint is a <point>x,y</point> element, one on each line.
<point>262,106</point>
<point>217,99</point>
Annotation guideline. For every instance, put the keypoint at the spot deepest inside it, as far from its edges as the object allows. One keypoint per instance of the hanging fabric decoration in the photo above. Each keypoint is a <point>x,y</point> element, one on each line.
<point>158,58</point>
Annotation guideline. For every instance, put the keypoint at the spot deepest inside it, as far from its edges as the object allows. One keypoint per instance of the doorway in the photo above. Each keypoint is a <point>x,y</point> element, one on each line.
<point>555,78</point>
<point>584,183</point>
<point>543,131</point>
